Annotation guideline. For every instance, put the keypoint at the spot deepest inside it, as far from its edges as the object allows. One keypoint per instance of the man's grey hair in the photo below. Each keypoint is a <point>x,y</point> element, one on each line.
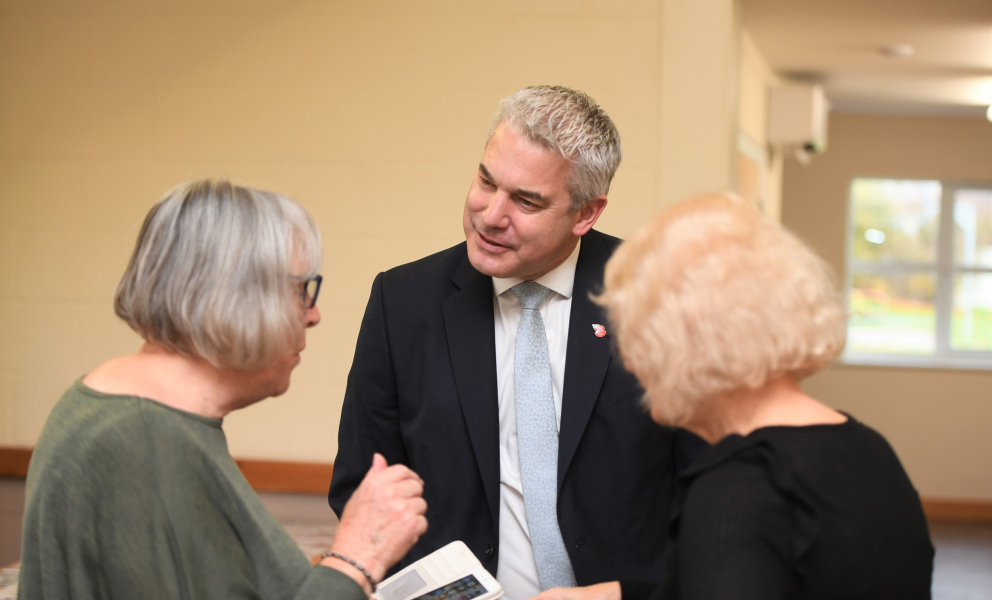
<point>210,276</point>
<point>571,123</point>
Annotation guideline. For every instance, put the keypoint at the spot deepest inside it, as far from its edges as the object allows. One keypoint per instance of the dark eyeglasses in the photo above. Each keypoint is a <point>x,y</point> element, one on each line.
<point>309,288</point>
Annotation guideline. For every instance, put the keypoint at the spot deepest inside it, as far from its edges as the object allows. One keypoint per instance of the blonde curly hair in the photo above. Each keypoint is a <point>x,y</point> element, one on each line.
<point>711,297</point>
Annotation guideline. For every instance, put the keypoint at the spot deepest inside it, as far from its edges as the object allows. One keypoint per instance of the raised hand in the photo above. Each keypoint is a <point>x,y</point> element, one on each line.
<point>381,522</point>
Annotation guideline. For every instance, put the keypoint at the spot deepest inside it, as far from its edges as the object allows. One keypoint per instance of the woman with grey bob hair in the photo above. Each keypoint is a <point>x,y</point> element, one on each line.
<point>131,491</point>
<point>208,275</point>
<point>720,313</point>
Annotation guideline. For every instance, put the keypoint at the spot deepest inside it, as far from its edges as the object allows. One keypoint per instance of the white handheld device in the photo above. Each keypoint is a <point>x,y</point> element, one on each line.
<point>451,573</point>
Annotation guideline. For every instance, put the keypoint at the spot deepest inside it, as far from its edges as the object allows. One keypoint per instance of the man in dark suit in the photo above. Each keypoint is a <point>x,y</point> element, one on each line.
<point>437,381</point>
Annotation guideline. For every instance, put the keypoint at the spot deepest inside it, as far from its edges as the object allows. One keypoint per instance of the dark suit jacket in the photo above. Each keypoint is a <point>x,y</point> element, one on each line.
<point>422,391</point>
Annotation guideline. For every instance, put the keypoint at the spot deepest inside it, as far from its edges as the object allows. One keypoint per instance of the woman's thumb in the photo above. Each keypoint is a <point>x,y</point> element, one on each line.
<point>378,463</point>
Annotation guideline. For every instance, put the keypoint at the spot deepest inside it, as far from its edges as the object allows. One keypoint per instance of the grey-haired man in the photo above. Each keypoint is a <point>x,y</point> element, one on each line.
<point>437,381</point>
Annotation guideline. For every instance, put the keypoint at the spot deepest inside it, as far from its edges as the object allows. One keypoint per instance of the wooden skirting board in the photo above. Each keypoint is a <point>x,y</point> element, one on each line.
<point>288,477</point>
<point>263,475</point>
<point>14,461</point>
<point>314,478</point>
<point>959,511</point>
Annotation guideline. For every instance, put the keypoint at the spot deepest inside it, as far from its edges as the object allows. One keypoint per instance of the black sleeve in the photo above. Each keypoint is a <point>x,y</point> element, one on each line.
<point>735,537</point>
<point>369,415</point>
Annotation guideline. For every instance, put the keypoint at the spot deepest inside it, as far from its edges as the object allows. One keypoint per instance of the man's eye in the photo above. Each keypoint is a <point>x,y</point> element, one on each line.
<point>528,203</point>
<point>485,182</point>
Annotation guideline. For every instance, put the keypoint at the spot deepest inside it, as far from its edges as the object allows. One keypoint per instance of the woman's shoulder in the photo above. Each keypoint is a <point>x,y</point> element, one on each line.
<point>839,473</point>
<point>821,450</point>
<point>846,431</point>
<point>84,415</point>
<point>779,462</point>
<point>835,487</point>
<point>781,441</point>
<point>92,434</point>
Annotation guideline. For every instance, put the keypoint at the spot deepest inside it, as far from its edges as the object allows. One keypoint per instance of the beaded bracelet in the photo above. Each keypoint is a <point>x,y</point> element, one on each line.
<point>366,572</point>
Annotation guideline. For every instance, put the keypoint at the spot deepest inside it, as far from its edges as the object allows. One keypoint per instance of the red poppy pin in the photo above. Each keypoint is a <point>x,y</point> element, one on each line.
<point>599,330</point>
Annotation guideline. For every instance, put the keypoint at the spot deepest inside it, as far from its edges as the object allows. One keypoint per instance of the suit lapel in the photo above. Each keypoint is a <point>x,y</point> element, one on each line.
<point>586,356</point>
<point>468,322</point>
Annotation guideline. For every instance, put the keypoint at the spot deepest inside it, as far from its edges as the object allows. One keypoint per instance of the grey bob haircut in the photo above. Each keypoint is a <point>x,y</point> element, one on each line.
<point>210,274</point>
<point>571,123</point>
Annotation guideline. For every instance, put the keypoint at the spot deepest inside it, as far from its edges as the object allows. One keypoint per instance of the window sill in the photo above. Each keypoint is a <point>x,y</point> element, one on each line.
<point>981,363</point>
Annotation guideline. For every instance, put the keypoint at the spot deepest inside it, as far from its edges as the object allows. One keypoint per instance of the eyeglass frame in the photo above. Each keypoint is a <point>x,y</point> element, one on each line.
<point>303,289</point>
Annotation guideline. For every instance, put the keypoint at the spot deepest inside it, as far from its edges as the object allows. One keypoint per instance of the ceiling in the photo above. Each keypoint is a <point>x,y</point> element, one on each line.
<point>837,43</point>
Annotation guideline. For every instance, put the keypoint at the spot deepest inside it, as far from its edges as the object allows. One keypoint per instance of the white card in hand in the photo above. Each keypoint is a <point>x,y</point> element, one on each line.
<point>451,573</point>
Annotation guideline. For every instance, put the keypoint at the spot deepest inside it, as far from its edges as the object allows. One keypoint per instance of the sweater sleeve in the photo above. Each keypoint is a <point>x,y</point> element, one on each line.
<point>736,537</point>
<point>147,509</point>
<point>326,583</point>
<point>202,550</point>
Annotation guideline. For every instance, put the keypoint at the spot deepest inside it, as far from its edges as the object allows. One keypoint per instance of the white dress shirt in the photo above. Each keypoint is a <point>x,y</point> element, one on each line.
<point>517,571</point>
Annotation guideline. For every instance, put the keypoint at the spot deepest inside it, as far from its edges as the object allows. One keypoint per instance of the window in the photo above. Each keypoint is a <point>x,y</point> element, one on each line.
<point>919,273</point>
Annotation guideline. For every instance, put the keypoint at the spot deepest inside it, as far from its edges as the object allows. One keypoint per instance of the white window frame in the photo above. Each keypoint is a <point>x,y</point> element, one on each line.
<point>944,357</point>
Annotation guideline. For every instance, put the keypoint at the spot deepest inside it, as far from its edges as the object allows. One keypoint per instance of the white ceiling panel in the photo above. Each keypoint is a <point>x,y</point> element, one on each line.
<point>838,43</point>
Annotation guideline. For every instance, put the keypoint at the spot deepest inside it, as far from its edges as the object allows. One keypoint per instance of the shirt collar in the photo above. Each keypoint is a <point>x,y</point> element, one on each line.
<point>561,279</point>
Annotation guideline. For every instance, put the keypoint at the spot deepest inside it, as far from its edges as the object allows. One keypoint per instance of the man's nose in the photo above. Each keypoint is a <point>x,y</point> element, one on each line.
<point>496,215</point>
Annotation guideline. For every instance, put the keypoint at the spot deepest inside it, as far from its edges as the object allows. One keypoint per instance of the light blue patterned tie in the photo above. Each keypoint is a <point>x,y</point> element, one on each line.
<point>537,439</point>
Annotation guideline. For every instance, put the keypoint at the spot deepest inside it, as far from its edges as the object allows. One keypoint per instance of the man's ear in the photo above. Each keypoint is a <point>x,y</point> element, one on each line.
<point>588,215</point>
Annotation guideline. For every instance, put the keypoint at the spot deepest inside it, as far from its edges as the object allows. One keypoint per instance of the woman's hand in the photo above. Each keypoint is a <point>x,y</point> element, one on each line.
<point>600,591</point>
<point>381,522</point>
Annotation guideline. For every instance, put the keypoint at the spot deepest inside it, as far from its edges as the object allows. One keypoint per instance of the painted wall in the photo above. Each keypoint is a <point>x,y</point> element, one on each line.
<point>372,114</point>
<point>756,79</point>
<point>939,421</point>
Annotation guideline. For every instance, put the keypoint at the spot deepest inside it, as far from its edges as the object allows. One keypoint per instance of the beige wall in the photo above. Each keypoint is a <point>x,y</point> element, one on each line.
<point>371,113</point>
<point>939,421</point>
<point>756,79</point>
<point>699,45</point>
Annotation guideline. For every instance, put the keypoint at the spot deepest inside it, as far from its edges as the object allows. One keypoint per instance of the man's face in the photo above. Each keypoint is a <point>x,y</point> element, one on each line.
<point>517,219</point>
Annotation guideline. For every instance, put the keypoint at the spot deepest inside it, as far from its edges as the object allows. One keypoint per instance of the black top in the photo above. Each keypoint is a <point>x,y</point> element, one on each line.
<point>823,511</point>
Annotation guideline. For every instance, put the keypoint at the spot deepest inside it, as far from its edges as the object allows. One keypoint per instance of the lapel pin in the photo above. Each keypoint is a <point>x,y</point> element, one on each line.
<point>599,330</point>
